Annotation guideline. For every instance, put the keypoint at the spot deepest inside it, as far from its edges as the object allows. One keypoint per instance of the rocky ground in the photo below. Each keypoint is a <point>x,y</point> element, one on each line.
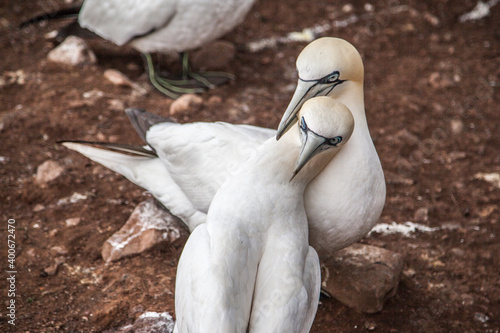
<point>431,89</point>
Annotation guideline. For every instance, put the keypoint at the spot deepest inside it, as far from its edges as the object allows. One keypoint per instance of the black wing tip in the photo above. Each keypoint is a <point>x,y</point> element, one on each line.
<point>98,143</point>
<point>143,120</point>
<point>134,111</point>
<point>146,117</point>
<point>132,149</point>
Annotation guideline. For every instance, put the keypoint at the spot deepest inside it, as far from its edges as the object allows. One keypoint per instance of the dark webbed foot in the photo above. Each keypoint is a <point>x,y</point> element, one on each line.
<point>191,82</point>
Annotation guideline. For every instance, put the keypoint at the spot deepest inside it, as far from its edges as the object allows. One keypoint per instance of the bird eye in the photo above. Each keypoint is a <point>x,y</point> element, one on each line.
<point>335,141</point>
<point>333,77</point>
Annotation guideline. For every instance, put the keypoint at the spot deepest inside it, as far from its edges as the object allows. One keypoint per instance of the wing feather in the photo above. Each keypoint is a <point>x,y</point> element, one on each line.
<point>120,21</point>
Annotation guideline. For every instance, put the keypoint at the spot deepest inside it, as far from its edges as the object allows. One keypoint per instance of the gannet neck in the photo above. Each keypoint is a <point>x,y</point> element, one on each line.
<point>351,94</point>
<point>279,158</point>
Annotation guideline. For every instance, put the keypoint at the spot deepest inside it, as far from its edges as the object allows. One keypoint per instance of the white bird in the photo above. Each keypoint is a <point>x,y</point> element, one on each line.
<point>193,160</point>
<point>163,26</point>
<point>250,268</point>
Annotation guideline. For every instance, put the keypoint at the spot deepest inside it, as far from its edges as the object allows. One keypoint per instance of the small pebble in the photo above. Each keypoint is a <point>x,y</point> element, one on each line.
<point>184,103</point>
<point>116,104</point>
<point>73,221</point>
<point>409,273</point>
<point>422,214</point>
<point>467,299</point>
<point>347,8</point>
<point>52,269</point>
<point>370,325</point>
<point>38,208</point>
<point>481,317</point>
<point>214,100</point>
<point>48,171</point>
<point>117,78</point>
<point>457,126</point>
<point>61,250</point>
<point>432,19</point>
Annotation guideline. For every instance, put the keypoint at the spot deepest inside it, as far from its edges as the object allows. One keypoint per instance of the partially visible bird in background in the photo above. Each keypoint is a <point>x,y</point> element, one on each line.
<point>161,26</point>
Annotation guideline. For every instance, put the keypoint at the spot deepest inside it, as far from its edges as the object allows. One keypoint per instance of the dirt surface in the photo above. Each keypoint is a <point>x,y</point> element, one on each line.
<point>431,90</point>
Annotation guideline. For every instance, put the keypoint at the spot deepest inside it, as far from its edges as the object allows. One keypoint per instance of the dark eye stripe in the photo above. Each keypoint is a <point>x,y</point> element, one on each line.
<point>327,78</point>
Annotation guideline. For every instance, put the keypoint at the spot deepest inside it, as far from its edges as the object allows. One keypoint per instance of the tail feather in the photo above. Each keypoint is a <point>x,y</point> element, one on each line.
<point>146,171</point>
<point>143,120</point>
<point>71,12</point>
<point>139,169</point>
<point>127,165</point>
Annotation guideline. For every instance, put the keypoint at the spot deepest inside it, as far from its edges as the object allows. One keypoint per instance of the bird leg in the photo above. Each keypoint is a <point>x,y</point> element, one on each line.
<point>208,79</point>
<point>170,88</point>
<point>190,81</point>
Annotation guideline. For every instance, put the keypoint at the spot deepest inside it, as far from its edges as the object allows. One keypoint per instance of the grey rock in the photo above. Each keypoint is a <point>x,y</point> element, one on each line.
<point>149,322</point>
<point>147,226</point>
<point>363,276</point>
<point>73,51</point>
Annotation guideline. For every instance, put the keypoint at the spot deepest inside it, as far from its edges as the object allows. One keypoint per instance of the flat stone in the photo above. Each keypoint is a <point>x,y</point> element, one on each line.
<point>363,276</point>
<point>73,51</point>
<point>147,226</point>
<point>48,171</point>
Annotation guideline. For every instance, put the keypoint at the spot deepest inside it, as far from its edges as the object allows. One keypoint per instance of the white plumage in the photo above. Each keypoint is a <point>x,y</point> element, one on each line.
<point>162,25</point>
<point>342,203</point>
<point>250,268</point>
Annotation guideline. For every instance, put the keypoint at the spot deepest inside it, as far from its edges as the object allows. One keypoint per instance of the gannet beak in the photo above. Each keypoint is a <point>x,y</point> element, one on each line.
<point>310,147</point>
<point>304,91</point>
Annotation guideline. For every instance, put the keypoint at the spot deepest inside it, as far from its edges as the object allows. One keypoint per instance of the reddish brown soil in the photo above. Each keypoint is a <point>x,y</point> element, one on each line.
<point>426,74</point>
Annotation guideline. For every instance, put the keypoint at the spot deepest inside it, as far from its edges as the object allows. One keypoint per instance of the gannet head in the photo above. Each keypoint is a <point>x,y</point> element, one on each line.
<point>324,125</point>
<point>323,65</point>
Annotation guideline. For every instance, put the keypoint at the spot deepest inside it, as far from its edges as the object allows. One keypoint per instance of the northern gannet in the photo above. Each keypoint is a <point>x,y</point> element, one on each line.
<point>193,160</point>
<point>163,26</point>
<point>250,268</point>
